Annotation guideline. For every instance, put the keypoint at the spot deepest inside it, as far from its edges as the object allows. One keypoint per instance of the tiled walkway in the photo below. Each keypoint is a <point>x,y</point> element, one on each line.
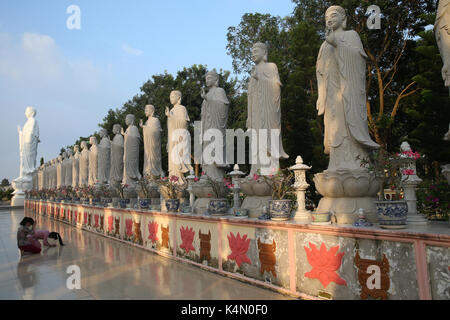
<point>109,270</point>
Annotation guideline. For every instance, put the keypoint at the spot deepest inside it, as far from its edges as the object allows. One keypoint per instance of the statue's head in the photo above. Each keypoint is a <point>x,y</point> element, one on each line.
<point>103,133</point>
<point>64,154</point>
<point>149,110</point>
<point>83,145</point>
<point>69,153</point>
<point>335,17</point>
<point>30,112</point>
<point>175,97</point>
<point>60,158</point>
<point>76,148</point>
<point>259,52</point>
<point>117,128</point>
<point>129,119</point>
<point>405,146</point>
<point>212,78</point>
<point>92,140</point>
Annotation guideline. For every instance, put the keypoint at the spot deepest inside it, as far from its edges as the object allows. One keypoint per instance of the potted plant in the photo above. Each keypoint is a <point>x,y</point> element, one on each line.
<point>280,183</point>
<point>171,188</point>
<point>218,206</point>
<point>145,190</point>
<point>106,195</point>
<point>120,188</point>
<point>392,209</point>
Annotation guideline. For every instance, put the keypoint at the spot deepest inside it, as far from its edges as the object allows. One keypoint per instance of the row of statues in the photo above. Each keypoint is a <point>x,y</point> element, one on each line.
<point>341,74</point>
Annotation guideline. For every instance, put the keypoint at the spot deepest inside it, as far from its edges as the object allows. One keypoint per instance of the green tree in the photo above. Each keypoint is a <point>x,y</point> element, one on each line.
<point>5,182</point>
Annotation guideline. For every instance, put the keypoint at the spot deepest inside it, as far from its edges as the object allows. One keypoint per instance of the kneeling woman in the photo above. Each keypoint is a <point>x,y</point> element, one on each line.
<point>25,239</point>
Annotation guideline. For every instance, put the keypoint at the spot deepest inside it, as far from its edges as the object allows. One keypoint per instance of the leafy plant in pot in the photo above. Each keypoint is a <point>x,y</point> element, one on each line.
<point>280,182</point>
<point>218,205</point>
<point>106,195</point>
<point>171,189</point>
<point>145,189</point>
<point>392,210</point>
<point>120,189</point>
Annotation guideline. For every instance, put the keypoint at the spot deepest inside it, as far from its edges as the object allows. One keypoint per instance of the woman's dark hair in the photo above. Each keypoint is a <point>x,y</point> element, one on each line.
<point>56,236</point>
<point>26,220</point>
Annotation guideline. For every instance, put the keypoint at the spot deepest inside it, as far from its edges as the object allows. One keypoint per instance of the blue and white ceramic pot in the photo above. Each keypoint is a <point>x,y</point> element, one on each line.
<point>218,207</point>
<point>144,203</point>
<point>392,214</point>
<point>172,205</point>
<point>280,210</point>
<point>124,203</point>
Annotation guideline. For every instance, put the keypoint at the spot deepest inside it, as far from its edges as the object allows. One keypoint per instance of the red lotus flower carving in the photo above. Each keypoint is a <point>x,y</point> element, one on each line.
<point>76,216</point>
<point>187,236</point>
<point>153,230</point>
<point>110,223</point>
<point>239,247</point>
<point>85,218</point>
<point>129,227</point>
<point>325,264</point>
<point>96,221</point>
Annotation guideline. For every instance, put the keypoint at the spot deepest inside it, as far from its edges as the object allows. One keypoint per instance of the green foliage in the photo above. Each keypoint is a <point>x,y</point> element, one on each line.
<point>433,199</point>
<point>7,194</point>
<point>5,182</point>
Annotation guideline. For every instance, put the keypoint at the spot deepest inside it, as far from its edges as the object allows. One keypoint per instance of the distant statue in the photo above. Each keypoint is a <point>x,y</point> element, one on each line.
<point>93,162</point>
<point>178,145</point>
<point>54,169</point>
<point>341,78</point>
<point>76,166</point>
<point>131,152</point>
<point>152,143</point>
<point>84,165</point>
<point>264,112</point>
<point>28,144</point>
<point>116,172</point>
<point>60,173</point>
<point>104,157</point>
<point>68,168</point>
<point>214,116</point>
<point>442,31</point>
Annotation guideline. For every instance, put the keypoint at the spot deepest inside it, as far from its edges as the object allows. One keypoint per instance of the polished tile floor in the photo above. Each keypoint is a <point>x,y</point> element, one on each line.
<point>109,270</point>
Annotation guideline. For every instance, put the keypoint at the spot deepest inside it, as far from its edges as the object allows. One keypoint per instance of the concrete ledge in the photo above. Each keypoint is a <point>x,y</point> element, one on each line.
<point>330,262</point>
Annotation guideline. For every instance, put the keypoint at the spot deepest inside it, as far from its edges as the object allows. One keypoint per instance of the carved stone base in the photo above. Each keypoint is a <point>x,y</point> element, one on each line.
<point>346,209</point>
<point>347,191</point>
<point>255,205</point>
<point>21,185</point>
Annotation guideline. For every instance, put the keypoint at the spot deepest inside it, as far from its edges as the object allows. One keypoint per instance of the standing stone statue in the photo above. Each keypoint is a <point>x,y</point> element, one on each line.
<point>116,172</point>
<point>28,144</point>
<point>104,157</point>
<point>93,162</point>
<point>178,145</point>
<point>152,143</point>
<point>54,174</point>
<point>60,173</point>
<point>214,116</point>
<point>341,78</point>
<point>68,168</point>
<point>442,31</point>
<point>264,112</point>
<point>84,165</point>
<point>131,152</point>
<point>76,166</point>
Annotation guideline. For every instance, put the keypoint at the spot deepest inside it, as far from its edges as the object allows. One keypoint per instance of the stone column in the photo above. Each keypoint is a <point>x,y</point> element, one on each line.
<point>235,177</point>
<point>302,215</point>
<point>190,178</point>
<point>410,181</point>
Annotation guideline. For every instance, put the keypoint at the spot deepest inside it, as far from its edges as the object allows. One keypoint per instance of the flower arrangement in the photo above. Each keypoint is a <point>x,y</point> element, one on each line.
<point>106,192</point>
<point>86,192</point>
<point>170,187</point>
<point>218,187</point>
<point>280,182</point>
<point>120,189</point>
<point>145,185</point>
<point>433,199</point>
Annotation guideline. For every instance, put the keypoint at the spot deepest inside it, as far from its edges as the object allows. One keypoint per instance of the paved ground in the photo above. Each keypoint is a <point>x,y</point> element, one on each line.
<point>109,270</point>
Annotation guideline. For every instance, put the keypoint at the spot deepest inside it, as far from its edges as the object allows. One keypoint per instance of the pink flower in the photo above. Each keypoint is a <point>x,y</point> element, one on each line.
<point>209,195</point>
<point>255,177</point>
<point>203,173</point>
<point>196,179</point>
<point>174,179</point>
<point>408,172</point>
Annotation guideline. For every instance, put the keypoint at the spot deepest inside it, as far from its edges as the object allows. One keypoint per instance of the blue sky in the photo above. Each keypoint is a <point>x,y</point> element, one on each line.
<point>73,77</point>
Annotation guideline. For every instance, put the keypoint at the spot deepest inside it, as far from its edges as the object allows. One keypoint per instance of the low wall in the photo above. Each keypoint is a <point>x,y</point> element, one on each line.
<point>300,260</point>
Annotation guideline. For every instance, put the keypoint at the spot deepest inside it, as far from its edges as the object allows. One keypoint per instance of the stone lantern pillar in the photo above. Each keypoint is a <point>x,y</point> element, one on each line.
<point>236,174</point>
<point>301,215</point>
<point>191,178</point>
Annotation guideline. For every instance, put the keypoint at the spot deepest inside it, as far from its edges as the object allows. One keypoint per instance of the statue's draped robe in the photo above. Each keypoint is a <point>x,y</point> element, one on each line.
<point>215,116</point>
<point>342,100</point>
<point>28,146</point>
<point>93,165</point>
<point>60,174</point>
<point>84,168</point>
<point>116,172</point>
<point>442,31</point>
<point>76,169</point>
<point>104,160</point>
<point>53,175</point>
<point>131,156</point>
<point>264,112</point>
<point>152,147</point>
<point>179,162</point>
<point>68,170</point>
